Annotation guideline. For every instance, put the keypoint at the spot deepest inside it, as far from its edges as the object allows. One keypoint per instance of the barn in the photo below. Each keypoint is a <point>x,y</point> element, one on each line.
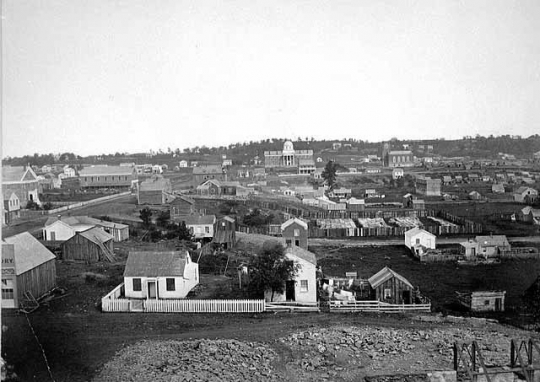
<point>92,245</point>
<point>389,286</point>
<point>28,270</point>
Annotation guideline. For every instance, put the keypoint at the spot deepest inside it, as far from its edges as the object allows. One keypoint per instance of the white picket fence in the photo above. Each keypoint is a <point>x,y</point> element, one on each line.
<point>204,306</point>
<point>376,306</point>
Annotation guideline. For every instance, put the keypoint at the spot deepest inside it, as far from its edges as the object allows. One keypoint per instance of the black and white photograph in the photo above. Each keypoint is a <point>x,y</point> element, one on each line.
<point>287,190</point>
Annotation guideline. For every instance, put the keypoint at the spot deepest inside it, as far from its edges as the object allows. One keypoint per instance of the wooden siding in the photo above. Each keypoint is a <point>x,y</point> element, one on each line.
<point>153,197</point>
<point>225,234</point>
<point>288,234</point>
<point>80,248</point>
<point>180,207</point>
<point>397,287</point>
<point>38,280</point>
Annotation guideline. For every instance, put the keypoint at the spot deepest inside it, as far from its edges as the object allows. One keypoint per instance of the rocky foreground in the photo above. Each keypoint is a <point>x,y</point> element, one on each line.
<point>338,353</point>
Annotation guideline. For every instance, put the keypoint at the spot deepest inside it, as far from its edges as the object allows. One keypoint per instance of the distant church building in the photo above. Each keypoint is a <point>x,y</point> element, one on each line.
<point>289,157</point>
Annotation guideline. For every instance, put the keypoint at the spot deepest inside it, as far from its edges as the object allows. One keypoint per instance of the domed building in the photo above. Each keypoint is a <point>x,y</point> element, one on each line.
<point>289,157</point>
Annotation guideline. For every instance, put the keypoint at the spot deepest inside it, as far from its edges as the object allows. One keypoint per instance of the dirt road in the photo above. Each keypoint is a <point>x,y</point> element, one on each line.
<point>78,345</point>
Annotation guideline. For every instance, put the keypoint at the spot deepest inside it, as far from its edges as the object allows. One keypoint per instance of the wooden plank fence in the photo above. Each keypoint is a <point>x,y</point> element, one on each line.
<point>376,306</point>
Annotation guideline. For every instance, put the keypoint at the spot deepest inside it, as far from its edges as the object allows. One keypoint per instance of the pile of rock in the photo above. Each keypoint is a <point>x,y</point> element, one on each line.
<point>204,360</point>
<point>357,351</point>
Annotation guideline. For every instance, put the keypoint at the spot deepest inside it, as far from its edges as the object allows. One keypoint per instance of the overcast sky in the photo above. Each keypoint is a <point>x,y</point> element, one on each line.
<point>101,76</point>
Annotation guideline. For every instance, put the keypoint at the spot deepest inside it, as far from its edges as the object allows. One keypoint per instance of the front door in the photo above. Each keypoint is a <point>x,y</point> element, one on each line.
<point>289,290</point>
<point>152,289</point>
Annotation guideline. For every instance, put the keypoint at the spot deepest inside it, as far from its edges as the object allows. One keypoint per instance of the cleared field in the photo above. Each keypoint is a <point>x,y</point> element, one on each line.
<point>438,281</point>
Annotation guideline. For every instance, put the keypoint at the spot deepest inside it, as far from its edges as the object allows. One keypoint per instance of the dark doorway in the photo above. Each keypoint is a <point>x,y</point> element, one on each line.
<point>289,290</point>
<point>407,297</point>
<point>498,304</point>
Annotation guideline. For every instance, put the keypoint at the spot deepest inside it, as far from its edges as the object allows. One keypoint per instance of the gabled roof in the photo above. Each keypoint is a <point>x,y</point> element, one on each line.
<point>210,169</point>
<point>106,170</point>
<point>29,252</point>
<point>77,221</point>
<point>416,231</point>
<point>198,220</point>
<point>301,253</point>
<point>523,189</point>
<point>156,264</point>
<point>9,194</point>
<point>155,184</point>
<point>17,174</point>
<point>207,183</point>
<point>181,198</point>
<point>96,235</point>
<point>292,221</point>
<point>384,275</point>
<point>493,240</point>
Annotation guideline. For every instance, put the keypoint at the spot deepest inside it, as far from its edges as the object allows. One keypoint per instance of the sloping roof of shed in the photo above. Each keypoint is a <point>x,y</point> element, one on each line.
<point>155,264</point>
<point>384,275</point>
<point>96,235</point>
<point>29,252</point>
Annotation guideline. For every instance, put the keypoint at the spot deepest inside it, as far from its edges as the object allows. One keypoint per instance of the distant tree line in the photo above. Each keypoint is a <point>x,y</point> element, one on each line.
<point>478,146</point>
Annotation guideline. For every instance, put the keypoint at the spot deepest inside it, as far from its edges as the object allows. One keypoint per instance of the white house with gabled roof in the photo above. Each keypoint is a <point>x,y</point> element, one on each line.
<point>419,240</point>
<point>303,287</point>
<point>160,275</point>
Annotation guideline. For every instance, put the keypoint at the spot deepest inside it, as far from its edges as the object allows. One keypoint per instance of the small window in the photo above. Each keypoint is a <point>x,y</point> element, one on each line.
<point>387,293</point>
<point>207,229</point>
<point>288,241</point>
<point>417,240</point>
<point>303,285</point>
<point>486,302</point>
<point>296,232</point>
<point>137,285</point>
<point>170,284</point>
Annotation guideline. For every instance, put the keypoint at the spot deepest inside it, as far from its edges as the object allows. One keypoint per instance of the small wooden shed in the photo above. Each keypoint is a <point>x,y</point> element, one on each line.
<point>389,286</point>
<point>92,245</point>
<point>27,268</point>
<point>482,301</point>
<point>225,232</point>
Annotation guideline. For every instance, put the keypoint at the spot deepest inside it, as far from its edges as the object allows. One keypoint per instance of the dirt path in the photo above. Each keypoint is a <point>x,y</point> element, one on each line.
<point>78,345</point>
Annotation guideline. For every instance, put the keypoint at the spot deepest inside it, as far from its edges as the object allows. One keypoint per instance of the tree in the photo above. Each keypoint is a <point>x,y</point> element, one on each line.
<point>163,218</point>
<point>256,218</point>
<point>329,174</point>
<point>270,269</point>
<point>183,232</point>
<point>146,216</point>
